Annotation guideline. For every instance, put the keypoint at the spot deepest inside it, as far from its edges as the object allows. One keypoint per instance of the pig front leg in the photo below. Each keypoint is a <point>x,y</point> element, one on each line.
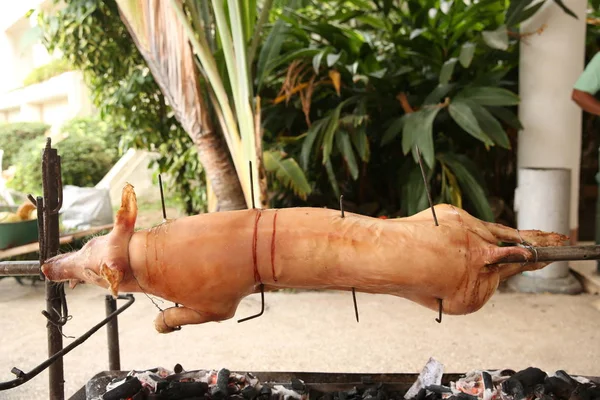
<point>173,318</point>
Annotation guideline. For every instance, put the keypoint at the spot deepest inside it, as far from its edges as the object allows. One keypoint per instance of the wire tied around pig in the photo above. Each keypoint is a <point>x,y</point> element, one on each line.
<point>208,263</point>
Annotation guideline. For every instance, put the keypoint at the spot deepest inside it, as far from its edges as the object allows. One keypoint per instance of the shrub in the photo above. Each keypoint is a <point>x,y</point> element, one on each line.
<point>86,157</point>
<point>93,127</point>
<point>47,71</point>
<point>13,135</point>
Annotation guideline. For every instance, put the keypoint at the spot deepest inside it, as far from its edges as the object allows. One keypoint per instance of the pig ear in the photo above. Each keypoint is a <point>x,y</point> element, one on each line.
<point>113,275</point>
<point>127,214</point>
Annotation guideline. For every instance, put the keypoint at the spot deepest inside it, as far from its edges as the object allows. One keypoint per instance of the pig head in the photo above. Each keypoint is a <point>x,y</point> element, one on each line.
<point>104,260</point>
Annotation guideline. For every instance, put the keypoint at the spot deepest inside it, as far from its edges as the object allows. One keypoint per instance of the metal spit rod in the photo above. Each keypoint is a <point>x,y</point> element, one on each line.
<point>544,254</point>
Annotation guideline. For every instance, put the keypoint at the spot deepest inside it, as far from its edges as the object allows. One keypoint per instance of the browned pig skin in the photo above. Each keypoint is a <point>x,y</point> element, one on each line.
<point>208,263</point>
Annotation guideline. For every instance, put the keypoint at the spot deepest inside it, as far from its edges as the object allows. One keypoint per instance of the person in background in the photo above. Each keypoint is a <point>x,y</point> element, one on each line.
<point>584,95</point>
<point>588,85</point>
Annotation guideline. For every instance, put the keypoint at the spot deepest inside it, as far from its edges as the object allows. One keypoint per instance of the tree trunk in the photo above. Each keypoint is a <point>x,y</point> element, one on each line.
<point>163,43</point>
<point>214,156</point>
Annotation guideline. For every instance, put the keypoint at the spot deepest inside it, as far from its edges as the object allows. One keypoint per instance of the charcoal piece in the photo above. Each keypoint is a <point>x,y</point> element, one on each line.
<point>507,372</point>
<point>585,392</point>
<point>439,389</point>
<point>220,390</point>
<point>530,377</point>
<point>369,398</point>
<point>342,395</point>
<point>265,393</point>
<point>352,392</point>
<point>232,389</point>
<point>422,394</point>
<point>513,387</point>
<point>128,388</point>
<point>142,394</point>
<point>236,397</point>
<point>466,396</point>
<point>327,396</point>
<point>249,392</point>
<point>298,385</point>
<point>567,378</point>
<point>523,382</point>
<point>155,396</point>
<point>539,390</point>
<point>559,388</point>
<point>488,383</point>
<point>370,392</point>
<point>265,390</point>
<point>382,395</point>
<point>182,390</point>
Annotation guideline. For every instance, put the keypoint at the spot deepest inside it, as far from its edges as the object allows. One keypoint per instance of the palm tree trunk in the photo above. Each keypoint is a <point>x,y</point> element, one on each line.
<point>214,156</point>
<point>163,43</point>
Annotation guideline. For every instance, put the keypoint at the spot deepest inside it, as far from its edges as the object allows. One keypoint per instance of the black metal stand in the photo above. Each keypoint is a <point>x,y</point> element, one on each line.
<point>56,311</point>
<point>112,334</point>
<point>48,208</point>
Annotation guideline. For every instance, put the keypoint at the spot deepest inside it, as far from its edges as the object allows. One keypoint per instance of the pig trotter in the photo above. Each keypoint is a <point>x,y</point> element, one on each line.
<point>173,318</point>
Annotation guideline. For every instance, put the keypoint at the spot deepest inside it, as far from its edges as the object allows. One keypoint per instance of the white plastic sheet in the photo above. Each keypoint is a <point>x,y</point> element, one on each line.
<point>85,207</point>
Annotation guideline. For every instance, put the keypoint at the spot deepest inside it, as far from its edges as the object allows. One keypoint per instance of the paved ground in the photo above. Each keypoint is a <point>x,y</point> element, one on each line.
<point>309,331</point>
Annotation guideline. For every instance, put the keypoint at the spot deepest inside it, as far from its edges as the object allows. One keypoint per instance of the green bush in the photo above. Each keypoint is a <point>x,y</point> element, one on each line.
<point>47,71</point>
<point>86,156</point>
<point>13,135</point>
<point>93,127</point>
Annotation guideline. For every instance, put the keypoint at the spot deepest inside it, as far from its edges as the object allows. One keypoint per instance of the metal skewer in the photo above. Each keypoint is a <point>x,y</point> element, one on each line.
<point>164,212</point>
<point>353,289</point>
<point>262,286</point>
<point>439,319</point>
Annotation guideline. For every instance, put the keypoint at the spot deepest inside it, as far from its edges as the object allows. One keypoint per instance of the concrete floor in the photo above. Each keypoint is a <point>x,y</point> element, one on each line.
<point>308,331</point>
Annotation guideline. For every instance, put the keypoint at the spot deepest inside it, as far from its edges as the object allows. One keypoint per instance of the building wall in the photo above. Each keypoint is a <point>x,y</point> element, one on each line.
<point>53,101</point>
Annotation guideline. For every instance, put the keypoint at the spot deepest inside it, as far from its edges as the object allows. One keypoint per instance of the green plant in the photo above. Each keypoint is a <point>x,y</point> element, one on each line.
<point>94,40</point>
<point>223,38</point>
<point>94,127</point>
<point>364,84</point>
<point>14,135</point>
<point>47,71</point>
<point>85,159</point>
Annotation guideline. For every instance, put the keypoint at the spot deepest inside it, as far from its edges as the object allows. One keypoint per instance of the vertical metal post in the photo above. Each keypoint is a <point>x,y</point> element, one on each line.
<point>51,181</point>
<point>112,334</point>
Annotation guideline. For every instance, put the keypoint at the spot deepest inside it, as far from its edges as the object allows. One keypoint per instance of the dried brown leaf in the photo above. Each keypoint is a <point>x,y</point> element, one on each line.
<point>336,80</point>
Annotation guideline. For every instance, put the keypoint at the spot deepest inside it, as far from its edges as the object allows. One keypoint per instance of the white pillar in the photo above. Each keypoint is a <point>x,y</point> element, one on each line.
<point>550,63</point>
<point>545,207</point>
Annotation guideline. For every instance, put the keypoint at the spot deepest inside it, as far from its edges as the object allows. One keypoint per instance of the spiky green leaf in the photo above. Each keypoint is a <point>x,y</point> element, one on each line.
<point>345,147</point>
<point>288,172</point>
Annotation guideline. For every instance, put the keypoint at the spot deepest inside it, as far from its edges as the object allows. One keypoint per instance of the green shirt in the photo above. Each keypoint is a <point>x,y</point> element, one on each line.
<point>589,80</point>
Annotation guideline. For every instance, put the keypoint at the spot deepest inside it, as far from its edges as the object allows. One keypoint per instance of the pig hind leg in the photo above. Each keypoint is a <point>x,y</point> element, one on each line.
<point>172,318</point>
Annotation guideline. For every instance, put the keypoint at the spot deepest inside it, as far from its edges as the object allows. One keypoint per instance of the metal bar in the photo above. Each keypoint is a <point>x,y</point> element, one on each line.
<point>54,292</point>
<point>24,377</point>
<point>19,268</point>
<point>112,334</point>
<point>557,253</point>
